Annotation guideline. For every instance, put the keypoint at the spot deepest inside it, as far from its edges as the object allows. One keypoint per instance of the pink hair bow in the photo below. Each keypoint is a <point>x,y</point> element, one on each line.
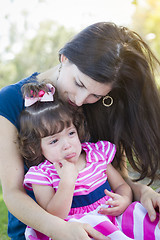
<point>42,96</point>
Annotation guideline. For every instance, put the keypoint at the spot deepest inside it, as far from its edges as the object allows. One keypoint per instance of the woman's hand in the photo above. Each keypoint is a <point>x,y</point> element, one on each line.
<point>151,201</point>
<point>147,196</point>
<point>117,202</point>
<point>79,231</point>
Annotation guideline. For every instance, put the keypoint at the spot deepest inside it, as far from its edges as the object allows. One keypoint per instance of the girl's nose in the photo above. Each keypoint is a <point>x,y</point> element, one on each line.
<point>66,145</point>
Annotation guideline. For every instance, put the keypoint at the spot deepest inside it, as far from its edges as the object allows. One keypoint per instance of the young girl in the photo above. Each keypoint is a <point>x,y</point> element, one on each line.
<point>69,179</point>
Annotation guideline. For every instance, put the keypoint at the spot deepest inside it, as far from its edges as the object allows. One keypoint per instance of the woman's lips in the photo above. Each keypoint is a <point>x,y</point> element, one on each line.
<point>72,103</point>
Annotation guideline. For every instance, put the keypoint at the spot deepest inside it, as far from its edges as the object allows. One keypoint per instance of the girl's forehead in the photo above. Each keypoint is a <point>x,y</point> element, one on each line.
<point>55,125</point>
<point>60,132</point>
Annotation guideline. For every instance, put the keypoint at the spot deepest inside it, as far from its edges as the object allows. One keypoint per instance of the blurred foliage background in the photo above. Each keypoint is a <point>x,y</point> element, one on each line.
<point>37,54</point>
<point>41,51</point>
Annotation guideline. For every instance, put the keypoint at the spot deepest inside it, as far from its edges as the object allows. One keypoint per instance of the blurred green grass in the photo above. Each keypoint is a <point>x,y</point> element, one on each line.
<point>3,218</point>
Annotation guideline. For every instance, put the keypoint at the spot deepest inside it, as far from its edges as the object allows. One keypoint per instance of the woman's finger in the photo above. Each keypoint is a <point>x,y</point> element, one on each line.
<point>94,233</point>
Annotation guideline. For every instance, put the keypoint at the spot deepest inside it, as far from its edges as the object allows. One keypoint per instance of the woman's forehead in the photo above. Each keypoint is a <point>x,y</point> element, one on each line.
<point>93,86</point>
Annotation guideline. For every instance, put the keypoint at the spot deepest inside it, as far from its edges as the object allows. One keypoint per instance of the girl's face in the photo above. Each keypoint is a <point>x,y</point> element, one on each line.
<point>77,88</point>
<point>64,145</point>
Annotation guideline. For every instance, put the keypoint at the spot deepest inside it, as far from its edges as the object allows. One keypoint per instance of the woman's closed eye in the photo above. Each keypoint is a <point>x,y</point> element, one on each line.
<point>97,96</point>
<point>78,84</point>
<point>81,85</point>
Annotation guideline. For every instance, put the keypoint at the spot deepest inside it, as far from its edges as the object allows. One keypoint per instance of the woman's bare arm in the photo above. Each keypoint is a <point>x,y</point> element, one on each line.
<point>147,196</point>
<point>12,174</point>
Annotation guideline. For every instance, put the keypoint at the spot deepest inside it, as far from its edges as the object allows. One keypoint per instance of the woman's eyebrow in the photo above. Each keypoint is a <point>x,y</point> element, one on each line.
<point>81,82</point>
<point>86,88</point>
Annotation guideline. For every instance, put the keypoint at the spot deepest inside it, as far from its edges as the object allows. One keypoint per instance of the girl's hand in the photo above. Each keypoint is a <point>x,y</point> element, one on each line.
<point>151,201</point>
<point>118,204</point>
<point>79,231</point>
<point>65,168</point>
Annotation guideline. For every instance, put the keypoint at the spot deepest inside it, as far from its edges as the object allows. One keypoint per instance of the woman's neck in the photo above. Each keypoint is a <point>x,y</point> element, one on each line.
<point>50,75</point>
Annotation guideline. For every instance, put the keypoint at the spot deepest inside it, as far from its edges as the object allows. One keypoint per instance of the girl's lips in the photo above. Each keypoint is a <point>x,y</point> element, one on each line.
<point>69,156</point>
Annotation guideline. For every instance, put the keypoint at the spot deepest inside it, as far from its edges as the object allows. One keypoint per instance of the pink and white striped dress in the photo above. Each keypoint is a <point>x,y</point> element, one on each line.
<point>89,196</point>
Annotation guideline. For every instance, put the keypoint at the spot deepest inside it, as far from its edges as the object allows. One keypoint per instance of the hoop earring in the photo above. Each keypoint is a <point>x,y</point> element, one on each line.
<point>110,99</point>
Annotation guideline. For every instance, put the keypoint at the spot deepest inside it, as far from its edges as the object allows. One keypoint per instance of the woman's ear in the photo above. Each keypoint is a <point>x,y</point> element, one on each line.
<point>63,58</point>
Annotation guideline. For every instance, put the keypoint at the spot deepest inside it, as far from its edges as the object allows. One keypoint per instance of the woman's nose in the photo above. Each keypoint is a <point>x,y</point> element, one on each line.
<point>80,99</point>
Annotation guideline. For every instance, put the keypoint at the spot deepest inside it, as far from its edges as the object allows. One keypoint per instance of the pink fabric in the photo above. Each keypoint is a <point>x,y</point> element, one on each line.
<point>98,156</point>
<point>149,228</point>
<point>128,218</point>
<point>106,228</point>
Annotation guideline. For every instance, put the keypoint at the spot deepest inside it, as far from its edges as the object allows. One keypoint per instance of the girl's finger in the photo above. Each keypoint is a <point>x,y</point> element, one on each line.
<point>110,194</point>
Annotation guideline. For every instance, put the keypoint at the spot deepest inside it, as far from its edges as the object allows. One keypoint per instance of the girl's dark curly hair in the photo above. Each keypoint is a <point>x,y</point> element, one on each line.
<point>43,119</point>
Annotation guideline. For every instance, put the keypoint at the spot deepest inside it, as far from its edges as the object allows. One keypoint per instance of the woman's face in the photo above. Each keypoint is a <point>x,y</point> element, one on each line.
<point>77,88</point>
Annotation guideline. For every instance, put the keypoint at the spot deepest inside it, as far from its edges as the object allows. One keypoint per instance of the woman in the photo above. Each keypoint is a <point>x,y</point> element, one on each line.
<point>109,70</point>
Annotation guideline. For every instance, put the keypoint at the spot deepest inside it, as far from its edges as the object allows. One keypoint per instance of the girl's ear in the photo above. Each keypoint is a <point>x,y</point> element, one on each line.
<point>64,59</point>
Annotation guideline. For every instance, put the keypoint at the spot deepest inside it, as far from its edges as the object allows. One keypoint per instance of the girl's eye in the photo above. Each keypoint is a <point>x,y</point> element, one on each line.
<point>53,141</point>
<point>72,133</point>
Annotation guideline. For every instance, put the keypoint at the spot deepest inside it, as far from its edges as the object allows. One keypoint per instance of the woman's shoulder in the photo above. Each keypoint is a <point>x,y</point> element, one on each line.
<point>49,74</point>
<point>17,86</point>
<point>10,90</point>
<point>11,99</point>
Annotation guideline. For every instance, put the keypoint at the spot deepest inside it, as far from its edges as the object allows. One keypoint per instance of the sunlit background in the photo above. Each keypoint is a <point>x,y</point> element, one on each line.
<point>32,31</point>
